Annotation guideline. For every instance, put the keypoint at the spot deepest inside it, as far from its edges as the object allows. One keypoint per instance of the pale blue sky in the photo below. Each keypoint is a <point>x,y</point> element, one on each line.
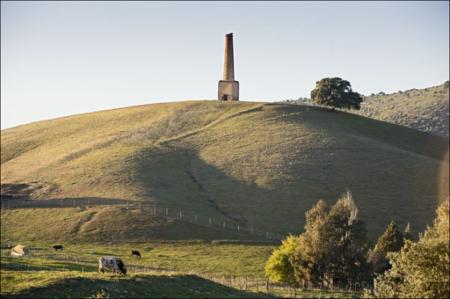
<point>71,57</point>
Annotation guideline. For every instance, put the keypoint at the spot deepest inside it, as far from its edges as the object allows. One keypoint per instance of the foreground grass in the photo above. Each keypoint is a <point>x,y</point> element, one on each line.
<point>57,284</point>
<point>216,258</point>
<point>166,269</point>
<point>45,284</point>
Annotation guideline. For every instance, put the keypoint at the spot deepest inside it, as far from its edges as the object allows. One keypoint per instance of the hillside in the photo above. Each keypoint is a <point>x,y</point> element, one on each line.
<point>257,165</point>
<point>422,109</point>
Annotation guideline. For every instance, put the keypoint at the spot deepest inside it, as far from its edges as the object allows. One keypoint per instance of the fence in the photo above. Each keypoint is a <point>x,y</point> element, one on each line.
<point>226,224</point>
<point>221,223</point>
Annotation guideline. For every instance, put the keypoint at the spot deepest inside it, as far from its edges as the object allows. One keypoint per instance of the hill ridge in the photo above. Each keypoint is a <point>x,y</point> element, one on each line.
<point>425,109</point>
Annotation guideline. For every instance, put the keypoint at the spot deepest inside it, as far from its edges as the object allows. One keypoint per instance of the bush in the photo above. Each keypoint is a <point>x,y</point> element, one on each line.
<point>278,268</point>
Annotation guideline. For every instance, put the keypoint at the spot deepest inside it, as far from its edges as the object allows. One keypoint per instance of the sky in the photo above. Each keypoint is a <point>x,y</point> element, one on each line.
<point>63,58</point>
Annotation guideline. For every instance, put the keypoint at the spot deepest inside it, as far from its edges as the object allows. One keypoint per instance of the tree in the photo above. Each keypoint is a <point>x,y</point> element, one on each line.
<point>336,92</point>
<point>332,250</point>
<point>278,268</point>
<point>391,240</point>
<point>421,269</point>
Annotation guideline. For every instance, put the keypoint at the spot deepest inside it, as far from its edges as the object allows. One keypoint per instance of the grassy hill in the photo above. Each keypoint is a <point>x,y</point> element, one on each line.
<point>422,109</point>
<point>253,164</point>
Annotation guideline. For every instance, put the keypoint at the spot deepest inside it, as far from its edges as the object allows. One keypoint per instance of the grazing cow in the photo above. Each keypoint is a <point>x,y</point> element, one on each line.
<point>136,253</point>
<point>58,247</point>
<point>113,263</point>
<point>19,250</point>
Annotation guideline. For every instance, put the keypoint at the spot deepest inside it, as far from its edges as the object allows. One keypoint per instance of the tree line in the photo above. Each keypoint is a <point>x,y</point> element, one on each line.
<point>335,252</point>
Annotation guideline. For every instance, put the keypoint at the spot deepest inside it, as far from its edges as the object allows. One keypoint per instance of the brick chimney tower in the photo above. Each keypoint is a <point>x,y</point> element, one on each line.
<point>228,87</point>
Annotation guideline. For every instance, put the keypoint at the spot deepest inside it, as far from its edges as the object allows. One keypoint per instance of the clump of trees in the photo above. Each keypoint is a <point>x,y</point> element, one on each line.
<point>333,251</point>
<point>420,269</point>
<point>336,92</point>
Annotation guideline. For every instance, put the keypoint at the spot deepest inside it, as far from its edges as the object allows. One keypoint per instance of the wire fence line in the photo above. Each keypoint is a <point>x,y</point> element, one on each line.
<point>223,223</point>
<point>214,222</point>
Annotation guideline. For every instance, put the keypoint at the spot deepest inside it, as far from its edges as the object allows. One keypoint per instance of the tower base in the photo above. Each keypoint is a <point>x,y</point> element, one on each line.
<point>228,90</point>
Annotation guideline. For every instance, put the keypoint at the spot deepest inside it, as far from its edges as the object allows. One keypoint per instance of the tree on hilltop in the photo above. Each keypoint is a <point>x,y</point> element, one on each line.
<point>336,92</point>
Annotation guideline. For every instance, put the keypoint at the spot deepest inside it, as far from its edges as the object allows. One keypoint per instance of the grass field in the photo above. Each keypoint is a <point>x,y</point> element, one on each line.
<point>166,269</point>
<point>253,164</point>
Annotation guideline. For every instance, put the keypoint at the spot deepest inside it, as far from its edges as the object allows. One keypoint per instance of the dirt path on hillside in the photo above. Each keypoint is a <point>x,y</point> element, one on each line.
<point>83,222</point>
<point>211,199</point>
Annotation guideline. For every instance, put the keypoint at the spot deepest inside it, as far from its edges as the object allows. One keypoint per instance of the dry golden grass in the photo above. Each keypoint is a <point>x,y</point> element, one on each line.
<point>261,164</point>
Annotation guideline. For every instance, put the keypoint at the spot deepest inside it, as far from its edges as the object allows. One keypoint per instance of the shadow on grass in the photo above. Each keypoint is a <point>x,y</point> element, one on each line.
<point>9,202</point>
<point>13,264</point>
<point>137,286</point>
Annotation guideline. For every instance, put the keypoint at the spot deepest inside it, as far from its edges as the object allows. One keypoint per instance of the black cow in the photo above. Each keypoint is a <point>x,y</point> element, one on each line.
<point>136,253</point>
<point>58,247</point>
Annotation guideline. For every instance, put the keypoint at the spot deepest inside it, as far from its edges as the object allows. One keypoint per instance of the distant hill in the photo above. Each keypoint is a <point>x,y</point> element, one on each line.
<point>426,109</point>
<point>254,164</point>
